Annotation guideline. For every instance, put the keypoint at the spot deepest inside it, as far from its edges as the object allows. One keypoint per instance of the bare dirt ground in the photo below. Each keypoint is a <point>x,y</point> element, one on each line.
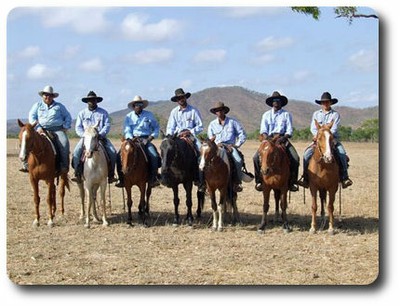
<point>69,254</point>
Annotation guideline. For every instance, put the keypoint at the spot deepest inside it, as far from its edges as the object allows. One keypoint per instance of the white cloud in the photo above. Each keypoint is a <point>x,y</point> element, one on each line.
<point>364,60</point>
<point>40,71</point>
<point>93,65</point>
<point>29,52</point>
<point>135,27</point>
<point>263,59</point>
<point>272,43</point>
<point>71,51</point>
<point>212,55</point>
<point>247,12</point>
<point>150,56</point>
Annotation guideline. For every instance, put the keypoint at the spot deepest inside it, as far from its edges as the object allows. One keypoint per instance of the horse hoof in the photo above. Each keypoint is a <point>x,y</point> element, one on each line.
<point>50,223</point>
<point>220,229</point>
<point>36,223</point>
<point>86,225</point>
<point>331,231</point>
<point>312,231</point>
<point>105,224</point>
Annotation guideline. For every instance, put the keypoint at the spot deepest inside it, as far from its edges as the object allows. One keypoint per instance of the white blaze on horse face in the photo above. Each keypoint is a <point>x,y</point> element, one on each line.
<point>203,150</point>
<point>328,152</point>
<point>22,151</point>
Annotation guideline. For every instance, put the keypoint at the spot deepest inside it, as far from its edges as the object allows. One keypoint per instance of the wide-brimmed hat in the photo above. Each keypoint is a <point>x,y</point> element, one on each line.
<point>92,96</point>
<point>137,99</point>
<point>49,90</point>
<point>219,106</point>
<point>276,96</point>
<point>326,96</point>
<point>180,93</point>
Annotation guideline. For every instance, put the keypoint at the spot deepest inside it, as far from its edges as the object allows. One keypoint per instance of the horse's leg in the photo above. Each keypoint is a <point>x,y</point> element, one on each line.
<point>176,205</point>
<point>129,203</point>
<point>266,194</point>
<point>142,203</point>
<point>82,194</point>
<point>189,216</point>
<point>200,203</point>
<point>103,189</point>
<point>221,208</point>
<point>63,185</point>
<point>322,196</point>
<point>94,198</point>
<point>277,196</point>
<point>214,208</point>
<point>283,201</point>
<point>235,213</point>
<point>332,194</point>
<point>51,190</point>
<point>313,227</point>
<point>148,194</point>
<point>36,201</point>
<point>89,206</point>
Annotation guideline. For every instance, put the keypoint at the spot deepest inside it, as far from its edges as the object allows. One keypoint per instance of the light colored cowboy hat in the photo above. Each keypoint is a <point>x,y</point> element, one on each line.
<point>48,89</point>
<point>92,96</point>
<point>136,99</point>
<point>276,96</point>
<point>180,93</point>
<point>326,96</point>
<point>219,106</point>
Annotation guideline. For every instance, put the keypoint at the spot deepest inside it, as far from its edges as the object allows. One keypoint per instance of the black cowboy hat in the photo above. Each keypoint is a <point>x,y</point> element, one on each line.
<point>276,96</point>
<point>179,93</point>
<point>326,96</point>
<point>219,106</point>
<point>92,96</point>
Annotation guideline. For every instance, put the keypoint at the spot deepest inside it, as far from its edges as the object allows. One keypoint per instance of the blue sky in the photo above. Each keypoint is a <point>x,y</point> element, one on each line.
<point>120,52</point>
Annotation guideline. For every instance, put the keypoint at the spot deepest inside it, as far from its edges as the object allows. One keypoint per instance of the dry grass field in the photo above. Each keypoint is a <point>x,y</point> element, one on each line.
<point>69,254</point>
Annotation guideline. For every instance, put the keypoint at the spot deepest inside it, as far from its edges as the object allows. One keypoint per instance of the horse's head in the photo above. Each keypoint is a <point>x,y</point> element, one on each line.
<point>91,140</point>
<point>324,142</point>
<point>128,151</point>
<point>26,138</point>
<point>208,151</point>
<point>270,156</point>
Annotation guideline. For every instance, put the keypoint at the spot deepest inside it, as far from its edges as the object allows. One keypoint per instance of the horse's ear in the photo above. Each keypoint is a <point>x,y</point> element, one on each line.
<point>317,124</point>
<point>201,138</point>
<point>20,123</point>
<point>329,125</point>
<point>261,137</point>
<point>122,138</point>
<point>34,124</point>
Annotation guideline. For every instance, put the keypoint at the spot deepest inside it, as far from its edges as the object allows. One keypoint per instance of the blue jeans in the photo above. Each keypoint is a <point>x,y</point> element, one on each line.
<point>63,148</point>
<point>237,159</point>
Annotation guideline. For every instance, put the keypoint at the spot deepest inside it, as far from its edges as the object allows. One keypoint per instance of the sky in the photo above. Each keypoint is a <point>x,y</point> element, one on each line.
<point>120,52</point>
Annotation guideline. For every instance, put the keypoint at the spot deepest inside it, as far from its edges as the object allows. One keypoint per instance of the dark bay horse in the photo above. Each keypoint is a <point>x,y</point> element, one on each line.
<point>179,166</point>
<point>95,171</point>
<point>41,156</point>
<point>323,174</point>
<point>135,168</point>
<point>275,173</point>
<point>218,176</point>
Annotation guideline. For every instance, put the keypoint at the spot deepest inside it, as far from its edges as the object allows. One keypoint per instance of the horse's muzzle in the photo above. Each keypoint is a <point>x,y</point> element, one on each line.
<point>266,171</point>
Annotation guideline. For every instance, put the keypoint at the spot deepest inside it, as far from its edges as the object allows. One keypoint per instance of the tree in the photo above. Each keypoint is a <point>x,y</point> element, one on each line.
<point>349,12</point>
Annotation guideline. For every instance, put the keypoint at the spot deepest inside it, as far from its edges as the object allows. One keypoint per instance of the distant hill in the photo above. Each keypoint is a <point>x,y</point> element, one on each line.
<point>246,105</point>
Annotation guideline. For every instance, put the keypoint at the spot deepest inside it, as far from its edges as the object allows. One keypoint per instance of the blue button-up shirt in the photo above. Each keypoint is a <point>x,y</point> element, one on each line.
<point>279,122</point>
<point>325,118</point>
<point>53,117</point>
<point>188,118</point>
<point>232,132</point>
<point>87,118</point>
<point>143,125</point>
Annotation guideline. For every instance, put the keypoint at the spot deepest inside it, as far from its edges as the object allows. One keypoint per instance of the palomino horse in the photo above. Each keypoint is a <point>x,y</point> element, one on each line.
<point>323,175</point>
<point>179,166</point>
<point>95,172</point>
<point>41,156</point>
<point>275,173</point>
<point>135,168</point>
<point>217,174</point>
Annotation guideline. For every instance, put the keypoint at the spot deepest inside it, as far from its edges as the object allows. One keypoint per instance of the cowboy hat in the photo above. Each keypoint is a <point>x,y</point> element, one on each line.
<point>137,99</point>
<point>276,96</point>
<point>92,96</point>
<point>326,96</point>
<point>180,93</point>
<point>49,90</point>
<point>219,106</point>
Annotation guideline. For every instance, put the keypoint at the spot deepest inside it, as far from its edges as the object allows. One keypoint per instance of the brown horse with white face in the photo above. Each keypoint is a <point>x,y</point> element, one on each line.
<point>275,173</point>
<point>323,173</point>
<point>41,156</point>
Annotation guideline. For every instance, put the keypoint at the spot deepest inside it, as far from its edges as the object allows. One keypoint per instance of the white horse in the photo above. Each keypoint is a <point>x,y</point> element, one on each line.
<point>95,173</point>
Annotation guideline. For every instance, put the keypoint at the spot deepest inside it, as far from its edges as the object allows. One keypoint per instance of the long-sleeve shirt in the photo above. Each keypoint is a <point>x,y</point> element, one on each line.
<point>143,125</point>
<point>188,118</point>
<point>232,132</point>
<point>87,118</point>
<point>325,118</point>
<point>279,122</point>
<point>53,117</point>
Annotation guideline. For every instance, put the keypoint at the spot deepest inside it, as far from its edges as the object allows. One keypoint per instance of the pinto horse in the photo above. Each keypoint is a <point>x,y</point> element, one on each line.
<point>41,155</point>
<point>179,166</point>
<point>217,174</point>
<point>95,172</point>
<point>135,168</point>
<point>323,174</point>
<point>275,173</point>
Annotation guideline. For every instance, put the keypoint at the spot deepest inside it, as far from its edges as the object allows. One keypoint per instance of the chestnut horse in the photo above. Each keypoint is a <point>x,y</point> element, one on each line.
<point>217,175</point>
<point>323,174</point>
<point>275,173</point>
<point>95,170</point>
<point>179,166</point>
<point>41,155</point>
<point>135,168</point>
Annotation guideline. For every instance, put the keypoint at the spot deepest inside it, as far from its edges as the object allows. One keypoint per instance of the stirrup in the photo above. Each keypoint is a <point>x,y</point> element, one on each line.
<point>258,187</point>
<point>346,183</point>
<point>120,184</point>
